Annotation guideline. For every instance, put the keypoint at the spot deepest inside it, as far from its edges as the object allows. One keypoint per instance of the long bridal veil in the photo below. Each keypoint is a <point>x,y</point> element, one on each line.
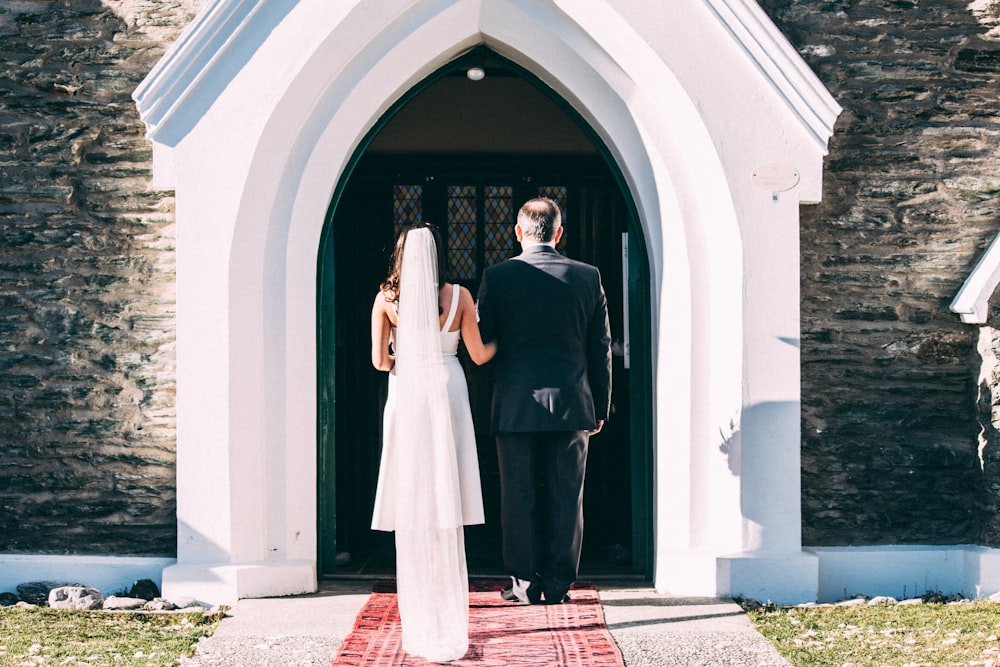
<point>431,575</point>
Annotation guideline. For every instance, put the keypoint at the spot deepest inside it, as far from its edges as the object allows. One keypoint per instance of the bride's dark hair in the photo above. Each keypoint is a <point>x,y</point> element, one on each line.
<point>390,286</point>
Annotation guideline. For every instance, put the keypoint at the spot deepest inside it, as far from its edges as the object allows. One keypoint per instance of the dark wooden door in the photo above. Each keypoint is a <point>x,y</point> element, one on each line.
<point>474,204</point>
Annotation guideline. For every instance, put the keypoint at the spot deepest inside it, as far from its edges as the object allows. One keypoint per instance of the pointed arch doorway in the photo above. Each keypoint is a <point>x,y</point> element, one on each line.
<point>464,155</point>
<point>261,112</point>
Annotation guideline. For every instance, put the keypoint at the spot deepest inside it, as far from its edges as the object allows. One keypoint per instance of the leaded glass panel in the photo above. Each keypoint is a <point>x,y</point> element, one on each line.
<point>407,206</point>
<point>499,217</point>
<point>556,193</point>
<point>479,223</point>
<point>461,232</point>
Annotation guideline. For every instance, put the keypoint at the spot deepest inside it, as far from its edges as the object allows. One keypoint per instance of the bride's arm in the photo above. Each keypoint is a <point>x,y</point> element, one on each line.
<point>479,352</point>
<point>381,332</point>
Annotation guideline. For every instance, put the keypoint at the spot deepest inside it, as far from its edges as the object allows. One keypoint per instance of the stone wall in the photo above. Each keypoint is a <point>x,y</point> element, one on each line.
<point>87,439</point>
<point>890,449</point>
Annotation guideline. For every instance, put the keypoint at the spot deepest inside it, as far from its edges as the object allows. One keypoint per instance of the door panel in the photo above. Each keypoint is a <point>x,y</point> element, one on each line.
<point>474,204</point>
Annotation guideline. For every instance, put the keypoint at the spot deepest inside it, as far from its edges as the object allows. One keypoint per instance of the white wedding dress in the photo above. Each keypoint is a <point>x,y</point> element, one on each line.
<point>428,489</point>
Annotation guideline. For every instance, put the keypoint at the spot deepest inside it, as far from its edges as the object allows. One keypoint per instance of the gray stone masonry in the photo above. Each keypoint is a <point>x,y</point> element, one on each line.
<point>911,199</point>
<point>87,438</point>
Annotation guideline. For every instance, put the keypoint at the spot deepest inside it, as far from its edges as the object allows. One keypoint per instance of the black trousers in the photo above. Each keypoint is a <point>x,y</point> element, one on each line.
<point>541,506</point>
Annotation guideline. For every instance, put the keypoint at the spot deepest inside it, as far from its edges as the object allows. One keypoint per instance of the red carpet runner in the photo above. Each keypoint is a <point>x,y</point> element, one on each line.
<point>500,633</point>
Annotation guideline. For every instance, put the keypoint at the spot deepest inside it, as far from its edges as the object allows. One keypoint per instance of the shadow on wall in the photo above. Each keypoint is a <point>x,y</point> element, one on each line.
<point>763,451</point>
<point>731,445</point>
<point>763,420</point>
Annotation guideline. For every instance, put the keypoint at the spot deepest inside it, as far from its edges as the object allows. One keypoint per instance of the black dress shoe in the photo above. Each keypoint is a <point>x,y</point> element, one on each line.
<point>534,592</point>
<point>557,599</point>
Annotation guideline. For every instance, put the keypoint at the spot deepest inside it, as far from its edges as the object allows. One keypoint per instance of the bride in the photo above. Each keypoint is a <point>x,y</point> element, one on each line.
<point>428,483</point>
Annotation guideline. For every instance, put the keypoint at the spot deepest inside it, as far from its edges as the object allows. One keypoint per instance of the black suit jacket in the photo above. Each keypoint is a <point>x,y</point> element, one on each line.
<point>549,316</point>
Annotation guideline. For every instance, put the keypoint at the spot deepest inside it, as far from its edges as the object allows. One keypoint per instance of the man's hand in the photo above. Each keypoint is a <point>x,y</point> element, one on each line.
<point>600,425</point>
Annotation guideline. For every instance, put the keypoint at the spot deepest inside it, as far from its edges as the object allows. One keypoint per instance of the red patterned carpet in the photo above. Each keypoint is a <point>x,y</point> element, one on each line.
<point>500,633</point>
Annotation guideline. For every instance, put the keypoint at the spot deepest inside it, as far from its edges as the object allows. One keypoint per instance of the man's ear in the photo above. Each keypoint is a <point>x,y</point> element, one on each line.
<point>558,234</point>
<point>518,232</point>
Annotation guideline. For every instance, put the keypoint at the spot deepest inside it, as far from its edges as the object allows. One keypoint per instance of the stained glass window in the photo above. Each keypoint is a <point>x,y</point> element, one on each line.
<point>557,193</point>
<point>461,232</point>
<point>478,230</point>
<point>407,206</point>
<point>498,223</point>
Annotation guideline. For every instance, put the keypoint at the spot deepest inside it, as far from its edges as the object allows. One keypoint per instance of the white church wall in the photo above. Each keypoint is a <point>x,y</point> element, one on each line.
<point>757,441</point>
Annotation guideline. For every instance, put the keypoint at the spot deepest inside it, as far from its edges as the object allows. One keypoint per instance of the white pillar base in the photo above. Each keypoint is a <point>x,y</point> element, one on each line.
<point>687,573</point>
<point>782,578</point>
<point>217,584</point>
<point>981,572</point>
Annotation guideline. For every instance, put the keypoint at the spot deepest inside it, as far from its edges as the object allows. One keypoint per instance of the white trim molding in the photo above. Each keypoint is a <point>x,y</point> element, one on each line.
<point>226,33</point>
<point>109,574</point>
<point>777,59</point>
<point>972,303</point>
<point>907,571</point>
<point>196,68</point>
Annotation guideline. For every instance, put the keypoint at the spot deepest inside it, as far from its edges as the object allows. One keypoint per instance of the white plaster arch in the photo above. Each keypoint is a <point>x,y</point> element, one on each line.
<point>255,174</point>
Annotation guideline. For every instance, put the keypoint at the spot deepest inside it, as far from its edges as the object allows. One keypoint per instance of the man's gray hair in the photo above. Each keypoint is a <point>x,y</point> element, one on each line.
<point>539,219</point>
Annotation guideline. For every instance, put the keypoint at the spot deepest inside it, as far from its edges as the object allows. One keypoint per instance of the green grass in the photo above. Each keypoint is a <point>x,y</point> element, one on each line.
<point>898,635</point>
<point>861,636</point>
<point>46,636</point>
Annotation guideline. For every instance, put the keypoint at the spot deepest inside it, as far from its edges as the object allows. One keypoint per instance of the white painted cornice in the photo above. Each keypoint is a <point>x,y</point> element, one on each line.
<point>783,67</point>
<point>226,33</point>
<point>972,303</point>
<point>196,68</point>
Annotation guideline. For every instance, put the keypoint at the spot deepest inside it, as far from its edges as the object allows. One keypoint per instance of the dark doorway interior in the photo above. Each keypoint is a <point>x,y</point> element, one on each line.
<point>465,156</point>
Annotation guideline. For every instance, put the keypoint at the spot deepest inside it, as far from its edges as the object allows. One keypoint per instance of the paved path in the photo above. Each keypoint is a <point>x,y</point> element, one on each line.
<point>652,630</point>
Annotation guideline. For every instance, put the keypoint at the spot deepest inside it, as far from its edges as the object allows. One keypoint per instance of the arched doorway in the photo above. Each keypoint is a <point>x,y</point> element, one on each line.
<point>464,155</point>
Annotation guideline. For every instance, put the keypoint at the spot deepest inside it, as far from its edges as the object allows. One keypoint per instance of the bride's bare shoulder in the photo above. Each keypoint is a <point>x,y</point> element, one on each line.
<point>384,305</point>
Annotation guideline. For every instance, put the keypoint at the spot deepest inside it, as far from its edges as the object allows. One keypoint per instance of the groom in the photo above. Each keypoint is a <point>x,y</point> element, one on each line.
<point>549,317</point>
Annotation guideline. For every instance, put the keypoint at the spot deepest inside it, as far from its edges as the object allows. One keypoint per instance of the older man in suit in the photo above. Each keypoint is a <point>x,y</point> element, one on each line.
<point>552,392</point>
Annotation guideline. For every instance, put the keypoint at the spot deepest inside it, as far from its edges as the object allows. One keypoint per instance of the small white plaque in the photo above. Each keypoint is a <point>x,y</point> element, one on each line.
<point>775,177</point>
